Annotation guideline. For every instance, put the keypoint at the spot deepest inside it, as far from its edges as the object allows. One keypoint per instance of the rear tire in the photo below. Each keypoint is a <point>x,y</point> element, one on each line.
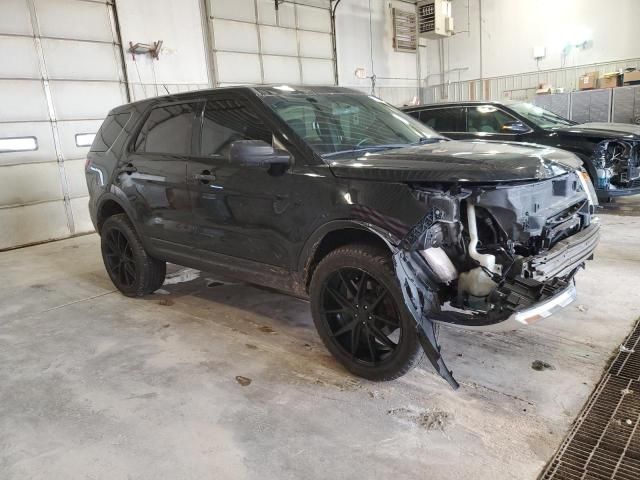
<point>132,270</point>
<point>359,312</point>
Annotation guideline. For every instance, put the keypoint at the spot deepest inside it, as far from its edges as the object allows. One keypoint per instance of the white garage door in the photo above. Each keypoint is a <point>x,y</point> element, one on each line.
<point>60,73</point>
<point>255,43</point>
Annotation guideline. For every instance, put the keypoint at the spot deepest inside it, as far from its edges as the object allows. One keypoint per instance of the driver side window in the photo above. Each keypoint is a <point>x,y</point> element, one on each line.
<point>487,119</point>
<point>226,121</point>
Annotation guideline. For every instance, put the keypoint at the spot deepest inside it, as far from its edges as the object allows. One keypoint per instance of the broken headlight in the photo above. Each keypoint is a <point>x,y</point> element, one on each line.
<point>587,186</point>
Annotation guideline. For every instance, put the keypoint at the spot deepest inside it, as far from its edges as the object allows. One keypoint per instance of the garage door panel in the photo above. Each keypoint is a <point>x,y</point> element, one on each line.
<point>75,137</point>
<point>43,134</point>
<point>69,59</point>
<point>13,96</point>
<point>317,71</point>
<point>235,36</point>
<point>30,183</point>
<point>312,18</point>
<point>237,10</point>
<point>278,41</point>
<point>238,67</point>
<point>76,182</point>
<point>84,100</point>
<point>18,58</point>
<point>74,19</point>
<point>287,15</point>
<point>33,223</point>
<point>14,17</point>
<point>316,45</point>
<point>281,69</point>
<point>266,12</point>
<point>81,217</point>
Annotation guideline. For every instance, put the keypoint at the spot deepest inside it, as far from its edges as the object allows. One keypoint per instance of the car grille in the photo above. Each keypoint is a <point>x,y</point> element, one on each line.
<point>604,442</point>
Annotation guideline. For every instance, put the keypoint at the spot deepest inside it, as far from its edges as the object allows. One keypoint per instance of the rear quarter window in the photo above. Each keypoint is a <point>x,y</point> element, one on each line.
<point>167,129</point>
<point>109,132</point>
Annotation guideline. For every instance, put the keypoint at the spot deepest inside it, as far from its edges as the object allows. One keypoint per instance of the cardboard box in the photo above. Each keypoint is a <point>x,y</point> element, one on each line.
<point>631,77</point>
<point>543,88</point>
<point>610,80</point>
<point>588,81</point>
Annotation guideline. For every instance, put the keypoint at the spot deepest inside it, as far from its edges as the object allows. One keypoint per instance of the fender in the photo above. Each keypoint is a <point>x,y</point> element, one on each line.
<point>310,246</point>
<point>116,195</point>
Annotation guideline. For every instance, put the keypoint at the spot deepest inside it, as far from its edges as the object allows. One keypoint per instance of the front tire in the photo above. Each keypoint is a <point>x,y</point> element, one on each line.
<point>359,312</point>
<point>131,269</point>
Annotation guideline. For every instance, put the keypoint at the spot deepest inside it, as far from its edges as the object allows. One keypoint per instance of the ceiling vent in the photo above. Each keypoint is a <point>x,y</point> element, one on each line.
<point>405,33</point>
<point>434,19</point>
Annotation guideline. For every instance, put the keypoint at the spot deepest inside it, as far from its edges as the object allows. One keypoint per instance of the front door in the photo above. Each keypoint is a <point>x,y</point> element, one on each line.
<point>488,122</point>
<point>240,211</point>
<point>153,175</point>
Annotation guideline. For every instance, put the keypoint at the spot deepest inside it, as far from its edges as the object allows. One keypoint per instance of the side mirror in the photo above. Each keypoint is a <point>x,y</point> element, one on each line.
<point>514,127</point>
<point>257,153</point>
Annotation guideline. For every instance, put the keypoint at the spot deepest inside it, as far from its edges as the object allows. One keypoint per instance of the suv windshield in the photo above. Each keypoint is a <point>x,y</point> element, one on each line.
<point>539,116</point>
<point>335,124</point>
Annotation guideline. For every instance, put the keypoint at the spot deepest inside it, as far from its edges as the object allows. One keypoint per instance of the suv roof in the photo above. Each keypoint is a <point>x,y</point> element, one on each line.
<point>461,104</point>
<point>259,90</point>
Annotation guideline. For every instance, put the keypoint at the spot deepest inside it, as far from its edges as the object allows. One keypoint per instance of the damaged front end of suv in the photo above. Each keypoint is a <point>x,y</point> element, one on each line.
<point>495,256</point>
<point>617,164</point>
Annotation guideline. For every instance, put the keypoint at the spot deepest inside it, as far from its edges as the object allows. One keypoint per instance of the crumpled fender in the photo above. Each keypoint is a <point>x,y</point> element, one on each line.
<point>419,286</point>
<point>415,277</point>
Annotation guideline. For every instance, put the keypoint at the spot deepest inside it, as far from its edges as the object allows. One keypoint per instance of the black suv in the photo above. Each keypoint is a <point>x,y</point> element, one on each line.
<point>331,194</point>
<point>610,151</point>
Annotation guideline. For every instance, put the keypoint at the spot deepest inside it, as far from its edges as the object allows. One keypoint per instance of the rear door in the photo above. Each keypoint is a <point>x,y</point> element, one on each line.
<point>153,175</point>
<point>449,121</point>
<point>240,211</point>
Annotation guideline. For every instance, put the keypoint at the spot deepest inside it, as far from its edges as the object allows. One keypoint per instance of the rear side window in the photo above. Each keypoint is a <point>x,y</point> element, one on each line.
<point>109,131</point>
<point>167,130</point>
<point>226,121</point>
<point>444,120</point>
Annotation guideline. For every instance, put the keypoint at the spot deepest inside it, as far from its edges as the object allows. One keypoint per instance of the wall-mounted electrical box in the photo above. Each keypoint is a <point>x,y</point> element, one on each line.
<point>434,18</point>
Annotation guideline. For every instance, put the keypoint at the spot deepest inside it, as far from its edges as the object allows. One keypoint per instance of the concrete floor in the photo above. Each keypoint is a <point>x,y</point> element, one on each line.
<point>96,385</point>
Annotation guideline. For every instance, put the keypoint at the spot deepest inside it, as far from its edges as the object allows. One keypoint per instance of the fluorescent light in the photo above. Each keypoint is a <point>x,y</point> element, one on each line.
<point>18,144</point>
<point>84,139</point>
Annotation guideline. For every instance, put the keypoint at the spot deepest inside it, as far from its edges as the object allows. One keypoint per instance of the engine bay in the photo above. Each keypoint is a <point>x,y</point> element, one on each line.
<point>484,253</point>
<point>617,164</point>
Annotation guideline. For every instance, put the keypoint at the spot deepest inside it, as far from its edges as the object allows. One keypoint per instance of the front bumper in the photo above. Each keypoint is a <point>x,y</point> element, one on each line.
<point>546,287</point>
<point>565,255</point>
<point>526,316</point>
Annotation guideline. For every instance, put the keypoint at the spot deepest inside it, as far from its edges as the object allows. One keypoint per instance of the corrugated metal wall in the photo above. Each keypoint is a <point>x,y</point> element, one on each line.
<point>620,105</point>
<point>518,87</point>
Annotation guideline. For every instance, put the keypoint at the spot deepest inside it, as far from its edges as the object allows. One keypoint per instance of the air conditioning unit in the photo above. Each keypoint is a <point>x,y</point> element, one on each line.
<point>434,18</point>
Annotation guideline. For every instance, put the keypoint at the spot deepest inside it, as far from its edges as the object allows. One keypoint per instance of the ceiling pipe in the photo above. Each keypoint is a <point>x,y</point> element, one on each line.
<point>333,6</point>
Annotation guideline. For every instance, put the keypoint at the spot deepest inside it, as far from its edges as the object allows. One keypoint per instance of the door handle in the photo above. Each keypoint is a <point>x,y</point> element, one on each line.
<point>205,177</point>
<point>128,168</point>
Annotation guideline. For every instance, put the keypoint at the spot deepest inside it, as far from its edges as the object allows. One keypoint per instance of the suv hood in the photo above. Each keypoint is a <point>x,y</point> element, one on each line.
<point>604,130</point>
<point>460,161</point>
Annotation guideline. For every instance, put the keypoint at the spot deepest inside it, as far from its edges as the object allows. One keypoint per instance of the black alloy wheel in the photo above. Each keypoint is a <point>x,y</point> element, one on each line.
<point>359,312</point>
<point>119,258</point>
<point>132,270</point>
<point>361,316</point>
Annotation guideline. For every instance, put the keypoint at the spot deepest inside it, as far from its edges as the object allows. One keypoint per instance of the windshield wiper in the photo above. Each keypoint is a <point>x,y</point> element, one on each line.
<point>427,140</point>
<point>389,146</point>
